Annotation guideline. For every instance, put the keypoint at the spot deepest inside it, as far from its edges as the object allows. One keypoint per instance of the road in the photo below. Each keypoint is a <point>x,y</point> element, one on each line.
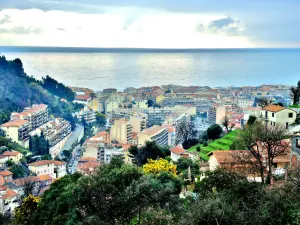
<point>74,159</point>
<point>72,139</point>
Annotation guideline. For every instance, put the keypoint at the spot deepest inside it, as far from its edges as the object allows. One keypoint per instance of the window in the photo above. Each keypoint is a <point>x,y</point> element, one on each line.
<point>273,114</point>
<point>290,115</point>
<point>287,125</point>
<point>275,165</point>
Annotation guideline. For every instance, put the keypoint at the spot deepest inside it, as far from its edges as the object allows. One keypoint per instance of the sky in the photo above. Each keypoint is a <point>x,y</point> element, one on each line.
<point>150,23</point>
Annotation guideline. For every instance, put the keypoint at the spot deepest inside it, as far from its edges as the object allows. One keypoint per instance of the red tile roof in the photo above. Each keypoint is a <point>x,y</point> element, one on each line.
<point>9,194</point>
<point>15,123</point>
<point>45,177</point>
<point>46,162</point>
<point>273,108</point>
<point>12,153</point>
<point>177,150</point>
<point>5,173</point>
<point>25,180</point>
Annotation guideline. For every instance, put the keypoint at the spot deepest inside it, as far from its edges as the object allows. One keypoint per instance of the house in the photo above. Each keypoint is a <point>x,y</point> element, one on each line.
<point>7,175</point>
<point>178,152</point>
<point>87,168</point>
<point>242,162</point>
<point>9,200</point>
<point>53,168</point>
<point>274,114</point>
<point>19,185</point>
<point>3,160</point>
<point>13,156</point>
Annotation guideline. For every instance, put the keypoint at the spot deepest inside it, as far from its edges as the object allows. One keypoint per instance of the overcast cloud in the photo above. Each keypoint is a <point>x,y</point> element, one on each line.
<point>151,23</point>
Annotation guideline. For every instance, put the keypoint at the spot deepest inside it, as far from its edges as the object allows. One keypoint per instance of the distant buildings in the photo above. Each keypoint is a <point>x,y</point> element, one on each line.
<point>216,114</point>
<point>88,115</point>
<point>178,152</point>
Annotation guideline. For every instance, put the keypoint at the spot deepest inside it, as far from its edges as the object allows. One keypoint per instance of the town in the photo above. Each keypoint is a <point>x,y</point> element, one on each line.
<point>196,123</point>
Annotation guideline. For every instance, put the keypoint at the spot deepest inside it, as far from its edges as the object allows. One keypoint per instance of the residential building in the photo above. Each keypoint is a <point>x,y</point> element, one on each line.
<point>138,122</point>
<point>36,115</point>
<point>13,155</point>
<point>18,131</point>
<point>82,99</point>
<point>91,146</point>
<point>121,131</point>
<point>111,106</point>
<point>3,160</point>
<point>274,114</point>
<point>56,133</point>
<point>158,134</point>
<point>216,114</point>
<point>88,168</point>
<point>6,175</point>
<point>107,152</point>
<point>54,168</point>
<point>87,114</point>
<point>141,104</point>
<point>96,105</point>
<point>9,200</point>
<point>231,159</point>
<point>178,152</point>
<point>109,90</point>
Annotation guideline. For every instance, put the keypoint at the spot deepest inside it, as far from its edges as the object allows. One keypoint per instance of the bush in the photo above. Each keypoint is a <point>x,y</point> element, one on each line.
<point>198,148</point>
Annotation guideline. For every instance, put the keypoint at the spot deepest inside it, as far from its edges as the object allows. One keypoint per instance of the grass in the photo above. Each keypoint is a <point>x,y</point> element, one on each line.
<point>294,106</point>
<point>223,143</point>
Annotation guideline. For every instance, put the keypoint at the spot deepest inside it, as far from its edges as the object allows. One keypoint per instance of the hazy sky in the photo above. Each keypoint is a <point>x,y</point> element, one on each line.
<point>151,23</point>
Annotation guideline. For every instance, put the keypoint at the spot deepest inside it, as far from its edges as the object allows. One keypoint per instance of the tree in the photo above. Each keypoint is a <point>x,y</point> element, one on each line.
<point>67,154</point>
<point>214,132</point>
<point>150,151</point>
<point>186,134</point>
<point>158,166</point>
<point>25,210</point>
<point>263,102</point>
<point>251,120</point>
<point>10,163</point>
<point>264,143</point>
<point>38,145</point>
<point>183,164</point>
<point>150,103</point>
<point>18,171</point>
<point>100,119</point>
<point>295,93</point>
<point>226,123</point>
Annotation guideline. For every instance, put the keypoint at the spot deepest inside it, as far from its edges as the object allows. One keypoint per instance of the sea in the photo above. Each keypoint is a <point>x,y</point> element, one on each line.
<point>99,68</point>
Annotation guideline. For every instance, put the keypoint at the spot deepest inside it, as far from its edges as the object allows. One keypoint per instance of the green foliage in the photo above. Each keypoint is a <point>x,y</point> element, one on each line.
<point>58,89</point>
<point>10,163</point>
<point>46,157</point>
<point>67,154</point>
<point>214,132</point>
<point>100,119</point>
<point>18,171</point>
<point>12,145</point>
<point>182,167</point>
<point>150,151</point>
<point>217,180</point>
<point>251,120</point>
<point>38,145</point>
<point>25,210</point>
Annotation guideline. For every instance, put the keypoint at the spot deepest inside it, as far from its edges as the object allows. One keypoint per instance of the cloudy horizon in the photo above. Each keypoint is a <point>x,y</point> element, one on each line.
<point>150,23</point>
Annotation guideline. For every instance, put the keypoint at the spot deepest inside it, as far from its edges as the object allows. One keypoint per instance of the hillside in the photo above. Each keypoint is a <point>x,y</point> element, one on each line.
<point>223,143</point>
<point>18,90</point>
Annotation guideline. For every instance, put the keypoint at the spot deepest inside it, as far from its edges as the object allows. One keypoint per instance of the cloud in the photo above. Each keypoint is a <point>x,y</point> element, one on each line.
<point>20,30</point>
<point>226,25</point>
<point>5,19</point>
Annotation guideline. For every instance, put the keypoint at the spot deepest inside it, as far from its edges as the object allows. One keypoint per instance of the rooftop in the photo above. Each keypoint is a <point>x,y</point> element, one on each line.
<point>273,108</point>
<point>5,173</point>
<point>46,162</point>
<point>9,194</point>
<point>11,153</point>
<point>15,123</point>
<point>177,150</point>
<point>153,130</point>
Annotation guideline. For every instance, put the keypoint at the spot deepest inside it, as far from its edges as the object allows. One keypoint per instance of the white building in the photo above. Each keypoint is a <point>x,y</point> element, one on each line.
<point>55,169</point>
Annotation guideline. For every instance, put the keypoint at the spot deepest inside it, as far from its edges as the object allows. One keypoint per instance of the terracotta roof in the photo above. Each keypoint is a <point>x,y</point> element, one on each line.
<point>15,123</point>
<point>2,187</point>
<point>9,194</point>
<point>83,97</point>
<point>45,177</point>
<point>126,146</point>
<point>12,153</point>
<point>273,108</point>
<point>46,162</point>
<point>224,156</point>
<point>87,159</point>
<point>2,181</point>
<point>3,156</point>
<point>177,150</point>
<point>152,130</point>
<point>5,173</point>
<point>25,180</point>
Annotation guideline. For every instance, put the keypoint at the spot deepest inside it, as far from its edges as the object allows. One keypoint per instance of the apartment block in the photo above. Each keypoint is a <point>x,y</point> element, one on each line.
<point>138,122</point>
<point>18,131</point>
<point>37,115</point>
<point>158,134</point>
<point>121,131</point>
<point>216,114</point>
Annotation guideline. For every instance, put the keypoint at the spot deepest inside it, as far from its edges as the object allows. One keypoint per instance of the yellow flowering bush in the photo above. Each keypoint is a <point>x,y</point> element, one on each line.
<point>160,165</point>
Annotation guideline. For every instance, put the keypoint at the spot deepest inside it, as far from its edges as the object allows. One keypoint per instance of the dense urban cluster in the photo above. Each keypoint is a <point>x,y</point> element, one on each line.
<point>152,155</point>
